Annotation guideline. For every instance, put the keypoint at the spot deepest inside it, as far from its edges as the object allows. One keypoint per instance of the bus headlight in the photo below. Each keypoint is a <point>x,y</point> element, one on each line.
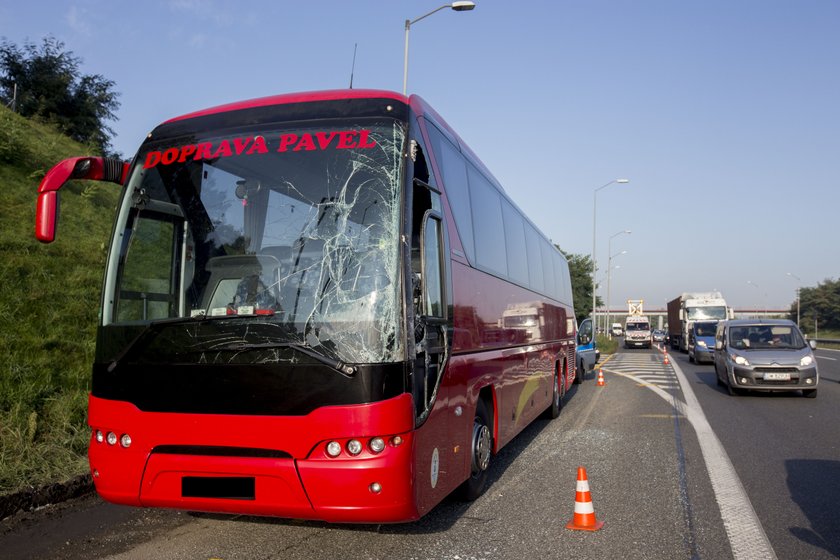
<point>333,449</point>
<point>125,441</point>
<point>111,438</point>
<point>377,444</point>
<point>354,447</point>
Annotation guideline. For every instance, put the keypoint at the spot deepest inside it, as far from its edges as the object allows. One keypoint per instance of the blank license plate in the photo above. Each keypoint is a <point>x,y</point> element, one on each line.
<point>777,377</point>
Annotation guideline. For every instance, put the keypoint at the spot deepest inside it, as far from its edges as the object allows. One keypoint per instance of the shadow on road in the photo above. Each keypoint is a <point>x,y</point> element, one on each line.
<point>813,486</point>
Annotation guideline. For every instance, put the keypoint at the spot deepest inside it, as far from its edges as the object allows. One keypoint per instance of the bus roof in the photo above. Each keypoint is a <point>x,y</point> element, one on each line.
<point>302,97</point>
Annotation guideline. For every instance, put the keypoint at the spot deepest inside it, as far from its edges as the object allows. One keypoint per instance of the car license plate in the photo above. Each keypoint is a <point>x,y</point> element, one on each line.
<point>777,377</point>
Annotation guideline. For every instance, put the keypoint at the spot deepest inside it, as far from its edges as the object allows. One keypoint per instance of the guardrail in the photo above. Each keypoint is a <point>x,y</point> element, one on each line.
<point>826,340</point>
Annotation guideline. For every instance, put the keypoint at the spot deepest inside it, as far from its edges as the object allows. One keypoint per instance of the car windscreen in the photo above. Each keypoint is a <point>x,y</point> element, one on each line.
<point>762,337</point>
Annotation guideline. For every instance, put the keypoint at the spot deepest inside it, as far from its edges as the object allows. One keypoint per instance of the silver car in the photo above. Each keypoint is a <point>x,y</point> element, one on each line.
<point>764,355</point>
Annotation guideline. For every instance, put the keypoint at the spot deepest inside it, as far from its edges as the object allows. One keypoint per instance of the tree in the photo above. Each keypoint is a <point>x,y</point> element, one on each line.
<point>580,269</point>
<point>821,303</point>
<point>48,86</point>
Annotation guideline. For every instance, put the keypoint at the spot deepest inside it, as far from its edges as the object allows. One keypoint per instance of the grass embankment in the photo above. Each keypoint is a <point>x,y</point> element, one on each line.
<point>48,308</point>
<point>605,344</point>
<point>829,334</point>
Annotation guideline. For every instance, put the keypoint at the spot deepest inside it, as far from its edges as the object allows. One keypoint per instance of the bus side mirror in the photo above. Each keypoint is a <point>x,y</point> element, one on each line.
<point>91,168</point>
<point>46,216</point>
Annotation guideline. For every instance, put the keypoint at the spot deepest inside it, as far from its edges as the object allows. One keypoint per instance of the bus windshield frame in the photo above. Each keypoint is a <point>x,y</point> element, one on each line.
<point>293,223</point>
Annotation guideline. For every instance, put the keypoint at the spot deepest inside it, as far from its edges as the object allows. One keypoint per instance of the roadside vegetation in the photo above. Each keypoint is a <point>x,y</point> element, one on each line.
<point>48,308</point>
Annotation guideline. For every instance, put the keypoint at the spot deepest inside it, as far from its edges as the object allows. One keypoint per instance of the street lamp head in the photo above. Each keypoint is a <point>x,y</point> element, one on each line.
<point>622,181</point>
<point>462,6</point>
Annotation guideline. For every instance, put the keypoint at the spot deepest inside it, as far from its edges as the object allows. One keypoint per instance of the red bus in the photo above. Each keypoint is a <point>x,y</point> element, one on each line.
<point>318,306</point>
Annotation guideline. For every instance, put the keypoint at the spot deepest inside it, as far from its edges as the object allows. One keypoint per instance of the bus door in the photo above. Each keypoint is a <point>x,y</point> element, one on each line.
<point>429,279</point>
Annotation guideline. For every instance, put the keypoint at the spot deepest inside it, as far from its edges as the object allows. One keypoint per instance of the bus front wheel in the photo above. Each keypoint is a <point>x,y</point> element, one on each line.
<point>481,450</point>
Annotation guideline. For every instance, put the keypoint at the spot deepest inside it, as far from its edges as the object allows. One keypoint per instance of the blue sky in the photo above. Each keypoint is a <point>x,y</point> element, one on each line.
<point>724,114</point>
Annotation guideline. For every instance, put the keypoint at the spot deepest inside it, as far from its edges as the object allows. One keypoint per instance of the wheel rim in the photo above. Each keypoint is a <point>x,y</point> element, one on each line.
<point>481,446</point>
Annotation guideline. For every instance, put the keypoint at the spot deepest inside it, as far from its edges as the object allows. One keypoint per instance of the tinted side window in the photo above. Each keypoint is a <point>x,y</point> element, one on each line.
<point>453,167</point>
<point>535,264</point>
<point>561,278</point>
<point>517,256</point>
<point>548,268</point>
<point>488,230</point>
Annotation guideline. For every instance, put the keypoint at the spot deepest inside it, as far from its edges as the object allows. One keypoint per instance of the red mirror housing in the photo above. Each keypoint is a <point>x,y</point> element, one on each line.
<point>91,168</point>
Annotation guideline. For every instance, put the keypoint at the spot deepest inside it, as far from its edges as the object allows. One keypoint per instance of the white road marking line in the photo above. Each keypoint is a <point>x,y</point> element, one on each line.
<point>746,535</point>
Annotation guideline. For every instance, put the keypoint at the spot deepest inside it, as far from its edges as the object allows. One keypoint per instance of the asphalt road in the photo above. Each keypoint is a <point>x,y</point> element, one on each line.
<point>647,470</point>
<point>787,456</point>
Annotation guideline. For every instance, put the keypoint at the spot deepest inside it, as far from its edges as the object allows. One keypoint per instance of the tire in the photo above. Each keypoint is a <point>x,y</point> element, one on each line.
<point>733,392</point>
<point>717,377</point>
<point>691,358</point>
<point>553,411</point>
<point>481,451</point>
<point>809,393</point>
<point>579,375</point>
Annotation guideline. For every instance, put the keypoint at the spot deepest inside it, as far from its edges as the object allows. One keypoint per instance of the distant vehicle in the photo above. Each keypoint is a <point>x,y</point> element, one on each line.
<point>616,329</point>
<point>587,352</point>
<point>690,307</point>
<point>765,355</point>
<point>701,342</point>
<point>637,332</point>
<point>658,336</point>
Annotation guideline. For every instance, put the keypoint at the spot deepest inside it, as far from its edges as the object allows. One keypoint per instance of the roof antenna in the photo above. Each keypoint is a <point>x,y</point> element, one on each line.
<point>352,68</point>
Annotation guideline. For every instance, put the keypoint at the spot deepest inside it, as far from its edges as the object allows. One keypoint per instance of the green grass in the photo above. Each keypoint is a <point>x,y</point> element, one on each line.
<point>605,344</point>
<point>48,308</point>
<point>828,334</point>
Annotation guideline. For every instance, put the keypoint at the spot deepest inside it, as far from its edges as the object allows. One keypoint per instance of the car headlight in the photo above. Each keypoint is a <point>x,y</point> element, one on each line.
<point>701,343</point>
<point>806,361</point>
<point>740,360</point>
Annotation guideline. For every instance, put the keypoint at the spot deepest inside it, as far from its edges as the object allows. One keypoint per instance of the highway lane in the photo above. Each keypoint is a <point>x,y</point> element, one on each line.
<point>785,450</point>
<point>646,471</point>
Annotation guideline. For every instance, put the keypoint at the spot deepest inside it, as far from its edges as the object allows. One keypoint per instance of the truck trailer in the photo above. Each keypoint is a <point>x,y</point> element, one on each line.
<point>694,306</point>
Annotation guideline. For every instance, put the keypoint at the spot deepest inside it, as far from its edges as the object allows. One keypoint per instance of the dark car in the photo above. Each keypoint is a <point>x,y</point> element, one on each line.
<point>764,355</point>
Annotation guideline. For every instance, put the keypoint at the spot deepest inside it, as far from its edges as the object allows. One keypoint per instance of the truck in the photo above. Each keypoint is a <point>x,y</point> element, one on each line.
<point>637,332</point>
<point>694,306</point>
<point>616,329</point>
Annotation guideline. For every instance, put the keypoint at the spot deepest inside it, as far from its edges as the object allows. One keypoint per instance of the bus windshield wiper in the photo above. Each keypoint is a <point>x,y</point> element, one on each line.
<point>341,367</point>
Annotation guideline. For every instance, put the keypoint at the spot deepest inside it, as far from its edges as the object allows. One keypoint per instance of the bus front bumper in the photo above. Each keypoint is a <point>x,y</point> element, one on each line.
<point>255,465</point>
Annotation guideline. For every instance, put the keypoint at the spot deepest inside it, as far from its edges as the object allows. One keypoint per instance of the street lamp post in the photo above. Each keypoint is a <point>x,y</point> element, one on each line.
<point>609,267</point>
<point>594,216</point>
<point>609,278</point>
<point>457,6</point>
<point>751,283</point>
<point>798,291</point>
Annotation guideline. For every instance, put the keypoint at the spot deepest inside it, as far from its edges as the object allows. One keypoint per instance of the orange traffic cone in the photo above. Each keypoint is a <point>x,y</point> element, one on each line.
<point>666,358</point>
<point>584,518</point>
<point>600,377</point>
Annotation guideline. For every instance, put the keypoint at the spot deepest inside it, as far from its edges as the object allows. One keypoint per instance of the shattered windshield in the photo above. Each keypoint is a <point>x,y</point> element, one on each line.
<point>295,225</point>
